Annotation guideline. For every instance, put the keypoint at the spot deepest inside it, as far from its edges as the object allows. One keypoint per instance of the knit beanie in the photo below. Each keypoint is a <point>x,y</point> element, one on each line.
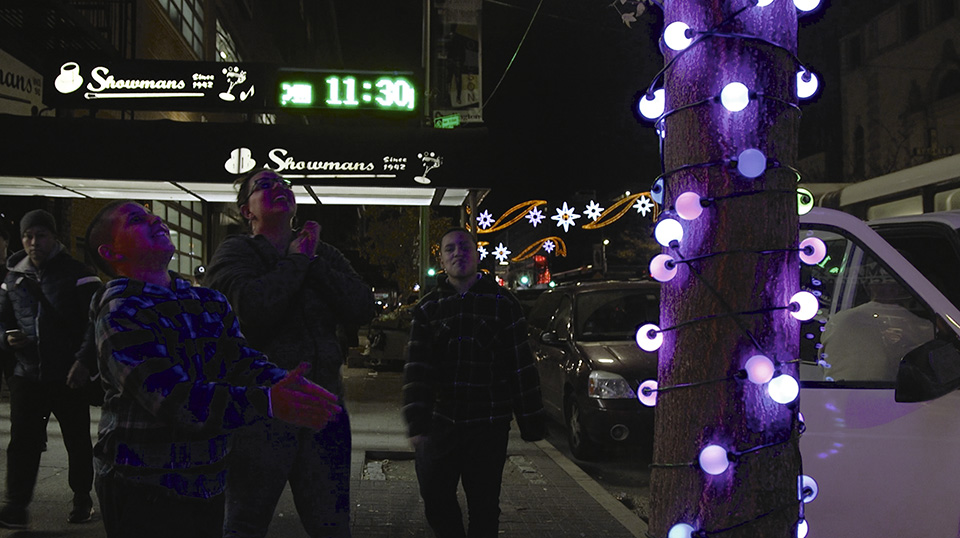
<point>38,217</point>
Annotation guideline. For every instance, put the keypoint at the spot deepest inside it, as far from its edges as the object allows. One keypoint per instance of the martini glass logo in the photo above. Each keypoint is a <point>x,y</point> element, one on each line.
<point>241,161</point>
<point>69,79</point>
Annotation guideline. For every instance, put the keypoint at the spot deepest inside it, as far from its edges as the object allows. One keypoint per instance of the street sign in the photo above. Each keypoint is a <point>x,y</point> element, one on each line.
<point>446,122</point>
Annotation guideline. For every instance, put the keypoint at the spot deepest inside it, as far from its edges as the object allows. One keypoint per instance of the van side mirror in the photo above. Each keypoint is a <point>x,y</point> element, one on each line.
<point>549,338</point>
<point>928,372</point>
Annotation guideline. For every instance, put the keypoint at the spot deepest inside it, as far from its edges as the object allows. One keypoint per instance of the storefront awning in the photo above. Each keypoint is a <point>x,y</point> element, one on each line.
<point>167,160</point>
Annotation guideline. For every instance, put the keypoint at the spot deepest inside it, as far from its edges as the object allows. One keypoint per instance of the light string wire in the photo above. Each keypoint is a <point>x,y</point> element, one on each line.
<point>514,57</point>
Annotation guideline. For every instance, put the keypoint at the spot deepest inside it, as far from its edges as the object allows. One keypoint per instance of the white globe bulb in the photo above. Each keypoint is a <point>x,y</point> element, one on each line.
<point>713,459</point>
<point>804,201</point>
<point>783,389</point>
<point>802,528</point>
<point>759,369</point>
<point>808,488</point>
<point>812,250</point>
<point>668,231</point>
<point>751,163</point>
<point>680,530</point>
<point>656,191</point>
<point>735,96</point>
<point>648,397</point>
<point>807,84</point>
<point>675,36</point>
<point>806,305</point>
<point>688,205</point>
<point>806,5</point>
<point>663,268</point>
<point>651,106</point>
<point>649,337</point>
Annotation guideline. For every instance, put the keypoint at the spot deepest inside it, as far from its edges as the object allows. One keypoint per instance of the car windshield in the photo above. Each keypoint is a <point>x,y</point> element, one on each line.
<point>613,314</point>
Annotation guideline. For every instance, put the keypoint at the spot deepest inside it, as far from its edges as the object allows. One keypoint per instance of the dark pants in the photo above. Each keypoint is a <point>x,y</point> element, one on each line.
<point>131,510</point>
<point>474,455</point>
<point>31,402</point>
<point>265,456</point>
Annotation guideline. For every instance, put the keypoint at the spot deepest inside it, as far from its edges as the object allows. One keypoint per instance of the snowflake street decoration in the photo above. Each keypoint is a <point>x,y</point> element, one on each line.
<point>643,206</point>
<point>501,253</point>
<point>593,210</point>
<point>535,216</point>
<point>565,217</point>
<point>485,220</point>
<point>482,251</point>
<point>549,246</point>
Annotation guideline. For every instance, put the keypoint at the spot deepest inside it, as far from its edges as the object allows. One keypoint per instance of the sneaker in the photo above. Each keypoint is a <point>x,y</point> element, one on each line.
<point>82,509</point>
<point>12,517</point>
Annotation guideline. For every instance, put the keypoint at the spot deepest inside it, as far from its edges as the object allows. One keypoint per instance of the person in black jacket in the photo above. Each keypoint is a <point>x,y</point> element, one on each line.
<point>289,290</point>
<point>44,303</point>
<point>469,371</point>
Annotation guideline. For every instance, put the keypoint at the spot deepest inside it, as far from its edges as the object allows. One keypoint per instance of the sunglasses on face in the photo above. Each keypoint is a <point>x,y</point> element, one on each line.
<point>267,183</point>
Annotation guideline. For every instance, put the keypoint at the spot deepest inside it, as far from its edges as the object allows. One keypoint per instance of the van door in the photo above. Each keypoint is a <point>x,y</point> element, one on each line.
<point>885,468</point>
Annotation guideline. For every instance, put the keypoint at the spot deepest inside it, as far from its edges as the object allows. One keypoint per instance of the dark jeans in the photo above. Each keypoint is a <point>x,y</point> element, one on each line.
<point>132,510</point>
<point>30,403</point>
<point>474,455</point>
<point>264,457</point>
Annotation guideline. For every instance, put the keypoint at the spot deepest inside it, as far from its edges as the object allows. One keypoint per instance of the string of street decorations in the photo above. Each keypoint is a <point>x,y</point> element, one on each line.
<point>566,217</point>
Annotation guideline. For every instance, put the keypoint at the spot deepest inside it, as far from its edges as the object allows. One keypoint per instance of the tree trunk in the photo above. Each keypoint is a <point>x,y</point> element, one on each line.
<point>757,494</point>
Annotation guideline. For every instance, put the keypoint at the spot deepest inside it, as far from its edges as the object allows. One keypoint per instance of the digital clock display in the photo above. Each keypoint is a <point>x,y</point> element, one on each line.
<point>337,90</point>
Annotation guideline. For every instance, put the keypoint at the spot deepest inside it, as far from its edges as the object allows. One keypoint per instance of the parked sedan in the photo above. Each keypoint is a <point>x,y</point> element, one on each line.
<point>584,339</point>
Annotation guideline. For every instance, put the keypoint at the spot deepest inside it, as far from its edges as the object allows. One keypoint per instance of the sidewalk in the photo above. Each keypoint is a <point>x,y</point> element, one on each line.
<point>544,494</point>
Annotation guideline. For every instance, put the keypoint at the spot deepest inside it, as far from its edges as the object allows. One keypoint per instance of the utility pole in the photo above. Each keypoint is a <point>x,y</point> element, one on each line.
<point>736,272</point>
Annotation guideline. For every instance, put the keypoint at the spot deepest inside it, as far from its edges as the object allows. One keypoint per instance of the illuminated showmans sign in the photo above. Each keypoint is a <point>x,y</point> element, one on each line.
<point>241,87</point>
<point>158,85</point>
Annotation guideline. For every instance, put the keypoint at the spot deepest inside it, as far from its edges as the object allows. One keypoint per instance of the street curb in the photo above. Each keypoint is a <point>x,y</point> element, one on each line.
<point>621,513</point>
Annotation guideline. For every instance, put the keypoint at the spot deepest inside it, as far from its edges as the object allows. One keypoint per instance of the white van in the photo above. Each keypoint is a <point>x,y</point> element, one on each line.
<point>880,366</point>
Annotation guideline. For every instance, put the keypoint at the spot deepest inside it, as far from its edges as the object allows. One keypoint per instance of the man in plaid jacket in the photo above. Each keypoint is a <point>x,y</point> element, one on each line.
<point>469,371</point>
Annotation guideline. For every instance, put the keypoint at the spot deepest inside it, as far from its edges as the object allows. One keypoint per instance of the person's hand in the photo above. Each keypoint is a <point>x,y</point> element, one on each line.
<point>17,339</point>
<point>78,376</point>
<point>306,241</point>
<point>301,402</point>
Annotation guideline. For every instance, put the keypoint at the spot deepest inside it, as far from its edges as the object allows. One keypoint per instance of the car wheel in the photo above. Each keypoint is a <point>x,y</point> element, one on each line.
<point>580,444</point>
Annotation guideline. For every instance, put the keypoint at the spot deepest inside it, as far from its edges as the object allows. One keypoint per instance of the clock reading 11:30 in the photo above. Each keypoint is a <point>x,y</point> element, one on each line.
<point>391,92</point>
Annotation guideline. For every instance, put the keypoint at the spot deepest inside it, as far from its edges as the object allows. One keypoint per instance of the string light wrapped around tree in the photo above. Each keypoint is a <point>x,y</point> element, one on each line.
<point>731,86</point>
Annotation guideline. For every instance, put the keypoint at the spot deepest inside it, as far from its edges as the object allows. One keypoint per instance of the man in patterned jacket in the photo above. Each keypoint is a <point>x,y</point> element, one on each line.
<point>469,371</point>
<point>178,378</point>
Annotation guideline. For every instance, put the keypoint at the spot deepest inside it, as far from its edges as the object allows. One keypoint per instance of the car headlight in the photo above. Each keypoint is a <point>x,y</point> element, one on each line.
<point>607,385</point>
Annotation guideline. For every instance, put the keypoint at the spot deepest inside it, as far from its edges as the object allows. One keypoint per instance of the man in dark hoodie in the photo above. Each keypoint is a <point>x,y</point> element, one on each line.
<point>44,303</point>
<point>469,371</point>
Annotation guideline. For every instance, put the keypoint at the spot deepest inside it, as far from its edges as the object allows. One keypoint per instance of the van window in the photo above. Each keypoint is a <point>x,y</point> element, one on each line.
<point>561,322</point>
<point>932,248</point>
<point>868,320</point>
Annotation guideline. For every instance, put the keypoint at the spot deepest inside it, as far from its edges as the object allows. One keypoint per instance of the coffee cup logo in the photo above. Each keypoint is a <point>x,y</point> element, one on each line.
<point>241,161</point>
<point>69,79</point>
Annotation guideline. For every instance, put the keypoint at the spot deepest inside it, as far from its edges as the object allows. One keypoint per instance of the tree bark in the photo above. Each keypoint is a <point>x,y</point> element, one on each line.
<point>757,495</point>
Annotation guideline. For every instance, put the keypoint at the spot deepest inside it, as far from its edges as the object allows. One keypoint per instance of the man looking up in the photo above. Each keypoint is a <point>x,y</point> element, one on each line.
<point>178,378</point>
<point>469,371</point>
<point>44,302</point>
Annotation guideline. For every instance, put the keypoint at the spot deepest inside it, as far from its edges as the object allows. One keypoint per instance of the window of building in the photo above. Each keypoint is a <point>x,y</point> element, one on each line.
<point>910,16</point>
<point>853,52</point>
<point>187,17</point>
<point>949,85</point>
<point>859,164</point>
<point>226,48</point>
<point>946,9</point>
<point>185,220</point>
